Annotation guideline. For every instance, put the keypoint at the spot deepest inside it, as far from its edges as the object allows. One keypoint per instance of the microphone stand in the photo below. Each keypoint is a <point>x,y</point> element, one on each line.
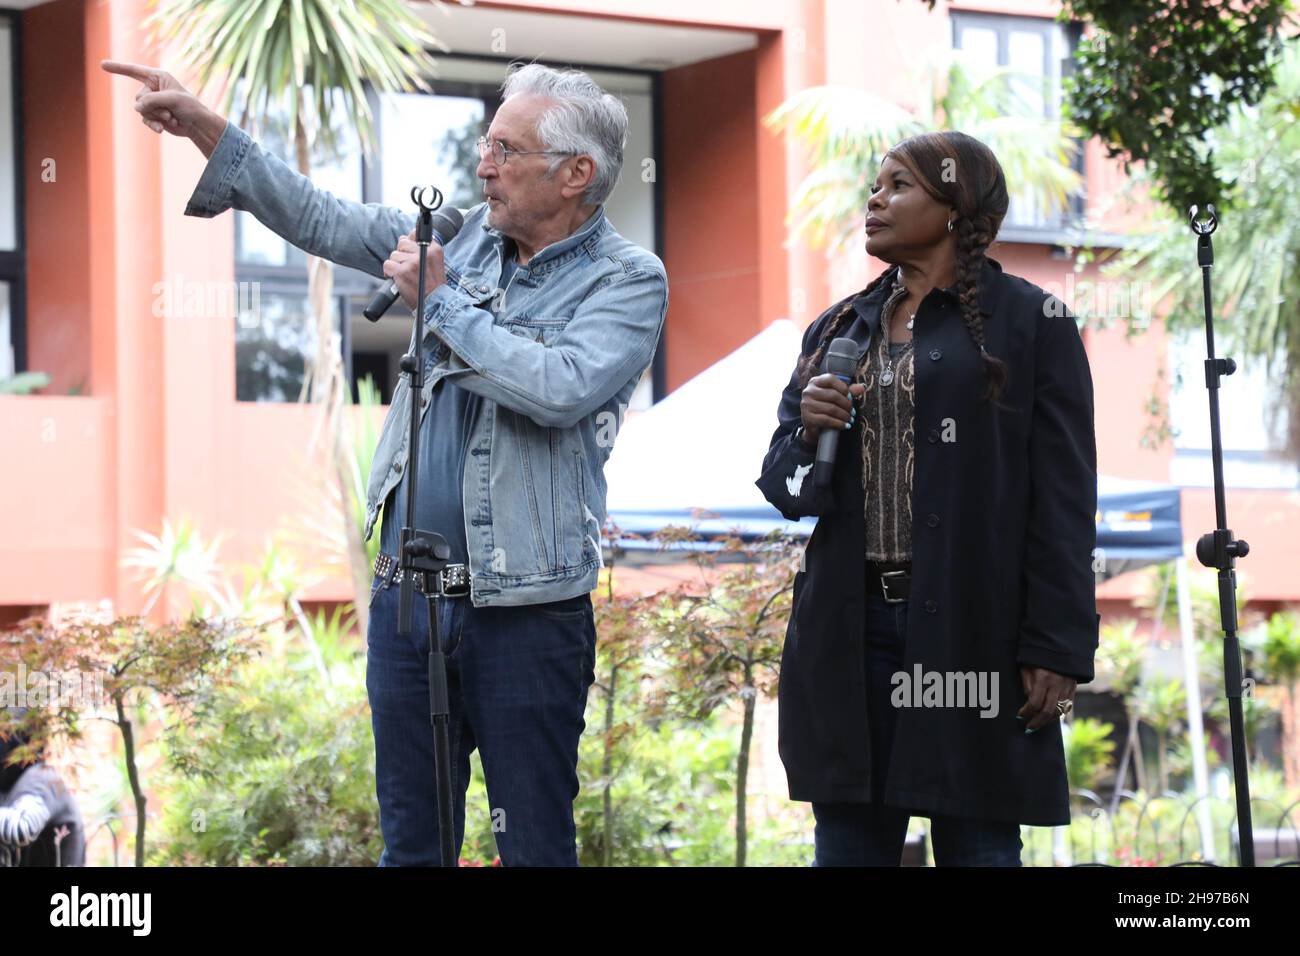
<point>428,555</point>
<point>1218,549</point>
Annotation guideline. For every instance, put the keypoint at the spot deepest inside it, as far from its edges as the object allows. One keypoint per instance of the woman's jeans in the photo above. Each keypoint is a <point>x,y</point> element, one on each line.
<point>517,678</point>
<point>872,834</point>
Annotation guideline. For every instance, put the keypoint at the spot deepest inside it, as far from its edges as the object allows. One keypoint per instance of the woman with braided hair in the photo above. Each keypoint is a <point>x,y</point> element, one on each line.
<point>945,611</point>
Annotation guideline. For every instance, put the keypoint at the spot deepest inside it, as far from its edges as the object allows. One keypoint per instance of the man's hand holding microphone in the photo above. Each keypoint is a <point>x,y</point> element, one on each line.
<point>403,267</point>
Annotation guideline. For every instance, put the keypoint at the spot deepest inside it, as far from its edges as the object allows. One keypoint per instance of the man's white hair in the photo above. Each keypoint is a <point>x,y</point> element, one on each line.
<point>584,121</point>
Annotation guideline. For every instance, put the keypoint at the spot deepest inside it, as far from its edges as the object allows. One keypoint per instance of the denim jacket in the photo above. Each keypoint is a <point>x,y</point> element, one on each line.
<point>557,363</point>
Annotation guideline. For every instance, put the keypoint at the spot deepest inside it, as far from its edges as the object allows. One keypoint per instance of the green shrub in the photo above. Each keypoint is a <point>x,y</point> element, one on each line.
<point>278,771</point>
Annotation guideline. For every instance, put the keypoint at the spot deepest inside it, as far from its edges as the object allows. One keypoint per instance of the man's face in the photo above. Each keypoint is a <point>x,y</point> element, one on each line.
<point>519,192</point>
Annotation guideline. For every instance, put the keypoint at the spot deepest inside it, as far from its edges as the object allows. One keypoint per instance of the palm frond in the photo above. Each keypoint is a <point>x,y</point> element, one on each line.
<point>847,132</point>
<point>316,55</point>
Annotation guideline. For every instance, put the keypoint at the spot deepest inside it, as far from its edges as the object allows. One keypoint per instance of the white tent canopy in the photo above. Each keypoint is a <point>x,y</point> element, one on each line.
<point>702,447</point>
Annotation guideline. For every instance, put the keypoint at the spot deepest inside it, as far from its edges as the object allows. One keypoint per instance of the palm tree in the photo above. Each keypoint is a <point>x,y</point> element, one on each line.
<point>1256,283</point>
<point>847,132</point>
<point>318,55</point>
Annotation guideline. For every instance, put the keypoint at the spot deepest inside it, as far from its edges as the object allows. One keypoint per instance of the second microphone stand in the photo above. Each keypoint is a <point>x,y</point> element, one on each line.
<point>1219,549</point>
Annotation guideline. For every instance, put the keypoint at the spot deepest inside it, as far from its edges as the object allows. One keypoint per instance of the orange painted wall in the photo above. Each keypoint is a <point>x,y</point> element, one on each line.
<point>56,538</point>
<point>710,179</point>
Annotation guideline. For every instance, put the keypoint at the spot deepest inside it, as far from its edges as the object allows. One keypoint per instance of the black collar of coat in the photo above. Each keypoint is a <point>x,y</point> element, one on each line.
<point>868,305</point>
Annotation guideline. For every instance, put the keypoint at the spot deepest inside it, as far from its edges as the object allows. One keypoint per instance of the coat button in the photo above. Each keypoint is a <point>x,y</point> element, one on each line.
<point>482,288</point>
<point>934,435</point>
<point>397,467</point>
<point>932,521</point>
<point>931,607</point>
<point>935,354</point>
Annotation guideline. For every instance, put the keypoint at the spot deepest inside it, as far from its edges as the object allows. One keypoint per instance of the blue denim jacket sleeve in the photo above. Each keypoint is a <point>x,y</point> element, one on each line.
<point>241,175</point>
<point>610,339</point>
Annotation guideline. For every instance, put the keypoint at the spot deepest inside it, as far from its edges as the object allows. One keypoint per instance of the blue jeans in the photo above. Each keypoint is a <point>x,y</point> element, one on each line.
<point>872,834</point>
<point>517,678</point>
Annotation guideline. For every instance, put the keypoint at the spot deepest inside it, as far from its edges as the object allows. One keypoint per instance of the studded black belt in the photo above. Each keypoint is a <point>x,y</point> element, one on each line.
<point>894,578</point>
<point>453,579</point>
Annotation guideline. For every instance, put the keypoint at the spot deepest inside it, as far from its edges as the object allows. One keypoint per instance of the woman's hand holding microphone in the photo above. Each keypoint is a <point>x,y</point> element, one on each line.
<point>828,402</point>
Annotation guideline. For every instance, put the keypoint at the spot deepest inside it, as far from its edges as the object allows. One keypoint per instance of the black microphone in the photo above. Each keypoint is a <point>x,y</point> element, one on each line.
<point>446,223</point>
<point>841,359</point>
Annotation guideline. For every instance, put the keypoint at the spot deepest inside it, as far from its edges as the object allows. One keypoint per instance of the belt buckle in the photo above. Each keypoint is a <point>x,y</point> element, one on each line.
<point>884,586</point>
<point>454,580</point>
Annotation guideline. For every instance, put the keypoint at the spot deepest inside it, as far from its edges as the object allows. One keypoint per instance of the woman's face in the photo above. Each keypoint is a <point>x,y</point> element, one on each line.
<point>903,220</point>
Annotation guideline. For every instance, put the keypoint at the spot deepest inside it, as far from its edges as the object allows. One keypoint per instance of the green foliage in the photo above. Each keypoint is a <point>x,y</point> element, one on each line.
<point>1161,702</point>
<point>1119,656</point>
<point>1161,599</point>
<point>24,383</point>
<point>309,50</point>
<point>1088,750</point>
<point>673,800</point>
<point>847,132</point>
<point>129,664</point>
<point>722,643</point>
<point>1157,78</point>
<point>1180,759</point>
<point>1255,285</point>
<point>1281,650</point>
<point>361,438</point>
<point>274,772</point>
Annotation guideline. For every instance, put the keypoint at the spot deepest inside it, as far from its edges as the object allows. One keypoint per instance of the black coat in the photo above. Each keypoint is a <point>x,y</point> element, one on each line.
<point>1003,532</point>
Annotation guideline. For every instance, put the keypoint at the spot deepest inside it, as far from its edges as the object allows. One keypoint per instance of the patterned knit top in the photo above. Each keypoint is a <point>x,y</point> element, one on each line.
<point>886,414</point>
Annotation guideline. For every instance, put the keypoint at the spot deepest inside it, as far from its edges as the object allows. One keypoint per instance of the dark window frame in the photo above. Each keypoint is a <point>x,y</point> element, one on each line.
<point>1002,24</point>
<point>13,263</point>
<point>348,283</point>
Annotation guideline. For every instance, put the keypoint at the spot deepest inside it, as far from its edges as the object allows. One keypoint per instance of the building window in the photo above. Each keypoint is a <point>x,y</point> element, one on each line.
<point>13,350</point>
<point>275,343</point>
<point>1254,422</point>
<point>1039,52</point>
<point>424,139</point>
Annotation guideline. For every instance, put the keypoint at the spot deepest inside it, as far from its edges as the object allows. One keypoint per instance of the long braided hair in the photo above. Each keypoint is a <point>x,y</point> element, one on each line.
<point>956,170</point>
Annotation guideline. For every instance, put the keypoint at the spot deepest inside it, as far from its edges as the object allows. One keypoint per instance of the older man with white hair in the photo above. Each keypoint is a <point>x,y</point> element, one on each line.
<point>541,321</point>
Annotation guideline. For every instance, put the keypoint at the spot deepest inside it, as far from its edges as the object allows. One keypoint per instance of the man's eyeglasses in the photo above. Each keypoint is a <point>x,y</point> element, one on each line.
<point>501,153</point>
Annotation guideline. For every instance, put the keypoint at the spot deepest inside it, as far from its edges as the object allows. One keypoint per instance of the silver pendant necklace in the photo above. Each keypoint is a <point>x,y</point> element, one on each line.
<point>887,374</point>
